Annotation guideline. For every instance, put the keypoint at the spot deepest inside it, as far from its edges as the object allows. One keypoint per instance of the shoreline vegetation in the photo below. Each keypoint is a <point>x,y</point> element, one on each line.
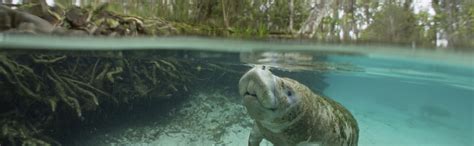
<point>47,96</point>
<point>430,24</point>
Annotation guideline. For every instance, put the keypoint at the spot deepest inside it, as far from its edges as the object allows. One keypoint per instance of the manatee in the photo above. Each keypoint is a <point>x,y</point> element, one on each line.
<point>286,112</point>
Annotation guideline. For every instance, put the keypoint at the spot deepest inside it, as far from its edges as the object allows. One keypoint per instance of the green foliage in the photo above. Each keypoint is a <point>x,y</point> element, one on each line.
<point>468,28</point>
<point>393,24</point>
<point>251,32</point>
<point>389,21</point>
<point>426,28</point>
<point>262,31</point>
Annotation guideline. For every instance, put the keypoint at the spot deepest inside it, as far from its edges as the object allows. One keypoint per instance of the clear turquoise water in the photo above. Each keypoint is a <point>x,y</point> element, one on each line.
<point>401,102</point>
<point>399,96</point>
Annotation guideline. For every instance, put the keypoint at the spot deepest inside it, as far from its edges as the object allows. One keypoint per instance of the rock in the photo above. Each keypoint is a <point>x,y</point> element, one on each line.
<point>14,19</point>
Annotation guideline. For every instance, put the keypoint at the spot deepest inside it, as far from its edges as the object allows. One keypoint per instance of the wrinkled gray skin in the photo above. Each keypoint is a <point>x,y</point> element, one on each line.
<point>286,112</point>
<point>22,21</point>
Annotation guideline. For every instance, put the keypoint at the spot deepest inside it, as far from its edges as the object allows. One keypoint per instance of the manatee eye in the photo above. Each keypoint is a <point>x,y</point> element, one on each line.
<point>263,67</point>
<point>289,93</point>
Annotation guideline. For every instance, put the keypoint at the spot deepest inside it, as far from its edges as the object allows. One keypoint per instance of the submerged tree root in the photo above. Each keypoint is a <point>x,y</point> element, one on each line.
<point>15,130</point>
<point>16,74</point>
<point>46,85</point>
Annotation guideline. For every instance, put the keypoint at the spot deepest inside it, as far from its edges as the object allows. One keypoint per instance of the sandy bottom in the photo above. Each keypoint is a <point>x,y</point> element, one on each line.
<point>214,119</point>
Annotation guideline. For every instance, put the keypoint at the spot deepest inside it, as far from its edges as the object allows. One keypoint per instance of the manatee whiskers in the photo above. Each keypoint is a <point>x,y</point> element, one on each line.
<point>279,124</point>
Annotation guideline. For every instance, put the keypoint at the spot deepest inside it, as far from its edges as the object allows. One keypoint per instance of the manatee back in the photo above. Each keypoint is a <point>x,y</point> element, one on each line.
<point>325,121</point>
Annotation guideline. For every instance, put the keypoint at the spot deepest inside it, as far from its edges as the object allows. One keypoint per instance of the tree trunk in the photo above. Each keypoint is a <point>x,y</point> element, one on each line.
<point>445,27</point>
<point>453,22</point>
<point>407,4</point>
<point>224,16</point>
<point>318,11</point>
<point>292,13</point>
<point>347,24</point>
<point>333,34</point>
<point>205,9</point>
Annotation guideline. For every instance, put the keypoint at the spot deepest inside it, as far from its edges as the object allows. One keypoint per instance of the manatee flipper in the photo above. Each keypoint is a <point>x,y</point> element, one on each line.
<point>255,136</point>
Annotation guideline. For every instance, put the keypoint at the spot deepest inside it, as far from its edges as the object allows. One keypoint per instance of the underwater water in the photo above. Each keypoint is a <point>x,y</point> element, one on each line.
<point>399,96</point>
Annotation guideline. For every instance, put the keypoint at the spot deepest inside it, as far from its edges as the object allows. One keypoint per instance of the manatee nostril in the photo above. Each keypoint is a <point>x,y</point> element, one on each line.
<point>248,93</point>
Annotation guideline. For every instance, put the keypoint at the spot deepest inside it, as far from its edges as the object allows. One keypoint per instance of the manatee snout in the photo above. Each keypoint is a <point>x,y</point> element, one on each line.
<point>257,87</point>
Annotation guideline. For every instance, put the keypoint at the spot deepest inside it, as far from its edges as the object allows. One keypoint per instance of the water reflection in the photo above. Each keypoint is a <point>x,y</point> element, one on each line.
<point>296,61</point>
